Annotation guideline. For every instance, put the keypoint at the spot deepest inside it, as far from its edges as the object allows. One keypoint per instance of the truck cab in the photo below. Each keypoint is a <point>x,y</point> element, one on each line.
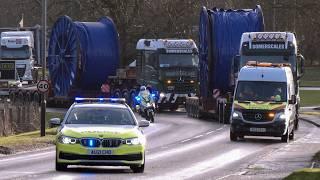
<point>264,102</point>
<point>171,67</point>
<point>17,58</point>
<point>272,47</point>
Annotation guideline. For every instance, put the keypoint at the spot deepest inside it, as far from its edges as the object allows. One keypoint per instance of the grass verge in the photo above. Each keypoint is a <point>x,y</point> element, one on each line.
<point>311,77</point>
<point>307,173</point>
<point>304,174</point>
<point>310,98</point>
<point>27,141</point>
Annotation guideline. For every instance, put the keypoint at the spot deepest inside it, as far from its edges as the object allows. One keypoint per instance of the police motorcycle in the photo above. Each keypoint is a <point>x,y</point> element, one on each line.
<point>145,105</point>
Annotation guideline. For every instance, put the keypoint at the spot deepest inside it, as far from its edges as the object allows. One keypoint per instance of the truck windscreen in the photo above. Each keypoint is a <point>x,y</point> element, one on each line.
<point>178,60</point>
<point>15,53</point>
<point>270,59</point>
<point>261,91</point>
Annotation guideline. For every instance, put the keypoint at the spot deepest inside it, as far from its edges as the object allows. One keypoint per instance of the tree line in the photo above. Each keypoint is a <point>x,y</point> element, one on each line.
<point>136,19</point>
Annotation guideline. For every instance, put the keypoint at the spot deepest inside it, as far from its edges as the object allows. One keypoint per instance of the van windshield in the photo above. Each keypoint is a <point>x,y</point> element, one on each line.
<point>261,91</point>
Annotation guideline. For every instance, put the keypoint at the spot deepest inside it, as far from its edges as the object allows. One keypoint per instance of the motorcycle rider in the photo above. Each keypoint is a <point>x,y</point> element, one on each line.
<point>145,98</point>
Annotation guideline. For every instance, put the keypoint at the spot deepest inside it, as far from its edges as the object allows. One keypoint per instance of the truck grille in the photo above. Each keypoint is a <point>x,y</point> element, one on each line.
<point>181,88</point>
<point>21,71</point>
<point>257,115</point>
<point>93,142</point>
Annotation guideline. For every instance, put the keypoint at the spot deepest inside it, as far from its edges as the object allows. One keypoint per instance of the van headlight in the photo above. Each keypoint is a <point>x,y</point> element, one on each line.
<point>281,116</point>
<point>236,115</point>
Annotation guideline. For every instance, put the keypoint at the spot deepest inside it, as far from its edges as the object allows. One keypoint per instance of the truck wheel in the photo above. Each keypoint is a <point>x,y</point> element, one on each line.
<point>233,136</point>
<point>12,97</point>
<point>36,97</point>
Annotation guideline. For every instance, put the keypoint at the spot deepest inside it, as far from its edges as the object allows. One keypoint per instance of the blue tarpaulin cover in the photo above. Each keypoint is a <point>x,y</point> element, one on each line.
<point>220,33</point>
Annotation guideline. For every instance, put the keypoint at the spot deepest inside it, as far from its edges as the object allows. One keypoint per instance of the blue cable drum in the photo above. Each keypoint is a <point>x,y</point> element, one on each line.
<point>220,33</point>
<point>86,62</point>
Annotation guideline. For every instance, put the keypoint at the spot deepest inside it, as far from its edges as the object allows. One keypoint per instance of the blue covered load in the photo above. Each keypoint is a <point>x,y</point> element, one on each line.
<point>82,55</point>
<point>219,41</point>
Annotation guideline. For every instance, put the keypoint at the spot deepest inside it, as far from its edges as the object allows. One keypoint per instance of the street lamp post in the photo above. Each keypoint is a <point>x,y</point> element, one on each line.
<point>43,55</point>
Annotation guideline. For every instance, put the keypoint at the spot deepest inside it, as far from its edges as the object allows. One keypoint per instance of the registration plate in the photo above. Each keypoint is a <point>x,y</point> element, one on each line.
<point>99,152</point>
<point>253,129</point>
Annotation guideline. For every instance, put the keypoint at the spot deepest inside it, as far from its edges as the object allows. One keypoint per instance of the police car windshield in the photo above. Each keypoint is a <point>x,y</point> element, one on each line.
<point>100,115</point>
<point>181,60</point>
<point>15,53</point>
<point>261,91</point>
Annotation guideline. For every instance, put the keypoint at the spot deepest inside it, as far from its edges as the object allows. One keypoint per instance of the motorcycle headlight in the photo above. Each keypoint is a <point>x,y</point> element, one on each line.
<point>135,141</point>
<point>67,140</point>
<point>162,94</point>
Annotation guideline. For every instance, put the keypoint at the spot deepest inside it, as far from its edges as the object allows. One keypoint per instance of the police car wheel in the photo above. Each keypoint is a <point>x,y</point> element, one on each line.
<point>61,167</point>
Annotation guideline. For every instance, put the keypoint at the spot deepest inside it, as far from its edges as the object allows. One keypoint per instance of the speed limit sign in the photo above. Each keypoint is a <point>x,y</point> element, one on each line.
<point>43,86</point>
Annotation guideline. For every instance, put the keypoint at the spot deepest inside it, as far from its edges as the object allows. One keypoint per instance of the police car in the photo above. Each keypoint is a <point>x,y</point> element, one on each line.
<point>101,131</point>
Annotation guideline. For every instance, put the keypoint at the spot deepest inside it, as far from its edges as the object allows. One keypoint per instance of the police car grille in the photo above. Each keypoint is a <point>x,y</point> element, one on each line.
<point>86,142</point>
<point>250,115</point>
<point>111,142</point>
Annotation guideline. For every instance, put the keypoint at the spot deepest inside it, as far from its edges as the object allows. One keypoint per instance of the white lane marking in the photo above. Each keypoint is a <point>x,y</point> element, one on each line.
<point>210,132</point>
<point>185,148</point>
<point>186,140</point>
<point>220,129</point>
<point>28,157</point>
<point>235,174</point>
<point>207,166</point>
<point>199,136</point>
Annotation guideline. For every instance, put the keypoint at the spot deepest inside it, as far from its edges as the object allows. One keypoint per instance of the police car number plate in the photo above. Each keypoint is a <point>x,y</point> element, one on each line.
<point>99,152</point>
<point>253,129</point>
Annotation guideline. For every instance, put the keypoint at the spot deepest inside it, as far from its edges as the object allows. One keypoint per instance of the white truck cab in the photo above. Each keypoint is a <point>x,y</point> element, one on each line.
<point>16,57</point>
<point>264,102</point>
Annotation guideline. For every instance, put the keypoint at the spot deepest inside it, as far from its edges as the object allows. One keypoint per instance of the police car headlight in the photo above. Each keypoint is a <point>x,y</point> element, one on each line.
<point>162,94</point>
<point>67,140</point>
<point>135,141</point>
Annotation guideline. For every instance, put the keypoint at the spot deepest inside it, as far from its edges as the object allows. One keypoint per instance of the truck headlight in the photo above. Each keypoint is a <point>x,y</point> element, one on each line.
<point>135,141</point>
<point>67,140</point>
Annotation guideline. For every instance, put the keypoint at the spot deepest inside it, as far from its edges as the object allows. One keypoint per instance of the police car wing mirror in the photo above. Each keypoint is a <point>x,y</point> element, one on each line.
<point>55,122</point>
<point>144,123</point>
<point>293,99</point>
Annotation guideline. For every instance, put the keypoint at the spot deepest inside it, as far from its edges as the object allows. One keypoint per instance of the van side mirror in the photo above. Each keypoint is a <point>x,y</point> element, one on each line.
<point>293,99</point>
<point>236,63</point>
<point>55,122</point>
<point>301,61</point>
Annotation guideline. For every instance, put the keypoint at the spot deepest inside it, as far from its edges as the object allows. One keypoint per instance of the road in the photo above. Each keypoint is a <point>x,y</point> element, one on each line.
<point>184,148</point>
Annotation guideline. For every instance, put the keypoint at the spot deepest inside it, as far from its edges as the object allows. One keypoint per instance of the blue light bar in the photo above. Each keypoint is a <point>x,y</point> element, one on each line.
<point>107,100</point>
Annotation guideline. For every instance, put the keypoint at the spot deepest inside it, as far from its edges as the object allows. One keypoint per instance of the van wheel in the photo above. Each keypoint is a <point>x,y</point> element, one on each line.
<point>291,136</point>
<point>233,136</point>
<point>285,138</point>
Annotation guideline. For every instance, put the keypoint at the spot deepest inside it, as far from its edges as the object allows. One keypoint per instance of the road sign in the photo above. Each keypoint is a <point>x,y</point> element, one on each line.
<point>43,86</point>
